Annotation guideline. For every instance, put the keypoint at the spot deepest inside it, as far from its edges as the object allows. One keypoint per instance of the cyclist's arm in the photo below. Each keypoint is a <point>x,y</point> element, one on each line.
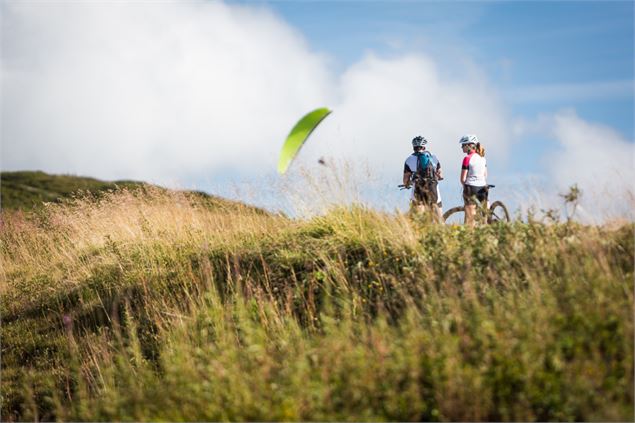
<point>407,174</point>
<point>406,178</point>
<point>464,168</point>
<point>463,176</point>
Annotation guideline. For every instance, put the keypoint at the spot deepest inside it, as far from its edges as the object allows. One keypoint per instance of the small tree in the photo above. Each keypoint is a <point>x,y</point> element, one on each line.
<point>571,200</point>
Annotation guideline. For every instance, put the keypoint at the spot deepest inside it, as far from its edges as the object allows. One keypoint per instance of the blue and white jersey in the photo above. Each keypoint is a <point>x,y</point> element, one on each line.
<point>411,162</point>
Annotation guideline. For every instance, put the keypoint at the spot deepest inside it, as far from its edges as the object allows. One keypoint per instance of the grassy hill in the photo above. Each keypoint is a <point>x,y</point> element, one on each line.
<point>152,306</point>
<point>28,190</point>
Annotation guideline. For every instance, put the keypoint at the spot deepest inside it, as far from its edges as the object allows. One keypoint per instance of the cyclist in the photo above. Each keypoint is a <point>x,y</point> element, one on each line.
<point>473,175</point>
<point>423,169</point>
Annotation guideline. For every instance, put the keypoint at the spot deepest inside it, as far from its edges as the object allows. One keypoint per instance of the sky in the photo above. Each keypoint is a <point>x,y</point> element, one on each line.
<point>202,94</point>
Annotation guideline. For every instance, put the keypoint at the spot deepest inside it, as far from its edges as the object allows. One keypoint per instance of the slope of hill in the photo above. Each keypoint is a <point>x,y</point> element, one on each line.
<point>151,306</point>
<point>28,190</point>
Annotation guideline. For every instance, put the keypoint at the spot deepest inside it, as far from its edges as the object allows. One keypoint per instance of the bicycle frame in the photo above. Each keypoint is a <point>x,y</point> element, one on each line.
<point>485,213</point>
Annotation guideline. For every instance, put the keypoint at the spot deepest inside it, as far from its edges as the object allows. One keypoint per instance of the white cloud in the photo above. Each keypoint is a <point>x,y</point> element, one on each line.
<point>383,103</point>
<point>167,91</point>
<point>150,90</point>
<point>595,157</point>
<point>589,150</point>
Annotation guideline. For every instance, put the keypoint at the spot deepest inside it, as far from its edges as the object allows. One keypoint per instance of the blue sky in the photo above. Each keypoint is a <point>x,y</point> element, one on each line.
<point>574,53</point>
<point>202,94</point>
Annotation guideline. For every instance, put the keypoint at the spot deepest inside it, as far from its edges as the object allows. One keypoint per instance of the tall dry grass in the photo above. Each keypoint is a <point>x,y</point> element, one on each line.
<point>155,306</point>
<point>65,242</point>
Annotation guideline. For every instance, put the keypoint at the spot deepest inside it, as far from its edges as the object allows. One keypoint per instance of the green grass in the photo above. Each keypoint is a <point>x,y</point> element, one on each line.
<point>151,306</point>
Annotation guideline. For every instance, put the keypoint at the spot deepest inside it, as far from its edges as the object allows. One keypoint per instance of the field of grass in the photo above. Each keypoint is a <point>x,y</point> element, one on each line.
<point>152,305</point>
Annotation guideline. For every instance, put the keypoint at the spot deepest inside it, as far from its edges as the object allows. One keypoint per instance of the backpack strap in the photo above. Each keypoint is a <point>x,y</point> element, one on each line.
<point>417,172</point>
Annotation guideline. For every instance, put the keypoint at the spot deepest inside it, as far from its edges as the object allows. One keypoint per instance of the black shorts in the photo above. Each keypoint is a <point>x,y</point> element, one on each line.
<point>426,192</point>
<point>470,193</point>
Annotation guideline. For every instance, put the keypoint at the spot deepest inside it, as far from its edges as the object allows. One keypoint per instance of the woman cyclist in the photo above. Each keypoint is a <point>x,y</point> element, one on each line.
<point>473,175</point>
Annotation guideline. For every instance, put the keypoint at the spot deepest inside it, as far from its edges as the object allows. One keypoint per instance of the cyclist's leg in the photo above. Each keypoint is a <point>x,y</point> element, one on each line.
<point>470,214</point>
<point>437,212</point>
<point>417,206</point>
<point>482,196</point>
<point>483,202</point>
<point>420,198</point>
<point>432,199</point>
<point>470,205</point>
<point>439,205</point>
<point>428,195</point>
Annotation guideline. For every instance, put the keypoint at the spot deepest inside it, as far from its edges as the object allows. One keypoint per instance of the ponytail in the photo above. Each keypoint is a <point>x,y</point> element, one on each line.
<point>480,149</point>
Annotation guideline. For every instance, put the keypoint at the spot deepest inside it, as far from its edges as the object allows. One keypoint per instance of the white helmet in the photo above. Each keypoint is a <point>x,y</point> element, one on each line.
<point>468,139</point>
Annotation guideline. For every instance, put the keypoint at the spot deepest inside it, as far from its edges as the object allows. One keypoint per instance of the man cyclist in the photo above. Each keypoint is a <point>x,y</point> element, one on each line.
<point>423,169</point>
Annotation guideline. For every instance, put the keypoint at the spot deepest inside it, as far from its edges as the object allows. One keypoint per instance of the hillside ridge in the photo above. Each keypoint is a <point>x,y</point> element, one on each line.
<point>29,190</point>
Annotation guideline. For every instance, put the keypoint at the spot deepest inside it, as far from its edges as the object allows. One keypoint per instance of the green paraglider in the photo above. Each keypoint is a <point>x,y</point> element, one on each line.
<point>298,135</point>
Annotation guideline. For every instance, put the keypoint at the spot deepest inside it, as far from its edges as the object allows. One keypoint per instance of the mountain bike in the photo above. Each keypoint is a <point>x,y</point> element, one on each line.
<point>497,212</point>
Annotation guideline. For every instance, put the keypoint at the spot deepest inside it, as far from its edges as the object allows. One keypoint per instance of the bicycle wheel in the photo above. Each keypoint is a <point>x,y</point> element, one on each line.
<point>454,216</point>
<point>498,213</point>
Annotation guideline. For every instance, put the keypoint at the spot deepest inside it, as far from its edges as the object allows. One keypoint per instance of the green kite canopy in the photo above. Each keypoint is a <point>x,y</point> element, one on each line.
<point>298,136</point>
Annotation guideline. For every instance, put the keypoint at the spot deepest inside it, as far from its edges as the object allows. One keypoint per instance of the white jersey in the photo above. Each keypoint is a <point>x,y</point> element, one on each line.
<point>476,167</point>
